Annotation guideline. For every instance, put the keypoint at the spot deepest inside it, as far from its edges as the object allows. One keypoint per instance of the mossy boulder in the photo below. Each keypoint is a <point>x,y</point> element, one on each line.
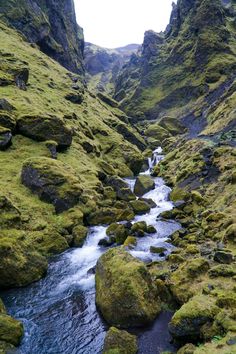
<point>123,192</point>
<point>125,294</point>
<point>5,138</point>
<point>119,342</point>
<point>230,233</point>
<point>143,185</point>
<point>19,265</point>
<point>222,270</point>
<point>139,207</point>
<point>79,235</point>
<point>109,215</point>
<point>118,232</point>
<point>11,330</point>
<point>130,242</point>
<point>187,321</point>
<point>10,215</point>
<point>53,181</point>
<point>7,120</point>
<point>139,228</point>
<point>42,128</point>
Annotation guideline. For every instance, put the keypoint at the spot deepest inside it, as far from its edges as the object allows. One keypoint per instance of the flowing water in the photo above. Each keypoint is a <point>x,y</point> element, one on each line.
<point>59,312</point>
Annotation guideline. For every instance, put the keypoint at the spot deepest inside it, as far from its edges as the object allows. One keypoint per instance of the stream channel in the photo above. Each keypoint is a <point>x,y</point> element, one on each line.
<point>59,312</point>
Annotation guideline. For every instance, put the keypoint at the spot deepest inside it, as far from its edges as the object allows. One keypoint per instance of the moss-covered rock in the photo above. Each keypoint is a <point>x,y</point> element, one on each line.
<point>5,138</point>
<point>43,128</point>
<point>139,207</point>
<point>120,342</point>
<point>119,232</point>
<point>143,185</point>
<point>139,228</point>
<point>11,330</point>
<point>188,320</point>
<point>121,188</point>
<point>52,181</point>
<point>79,235</point>
<point>7,120</point>
<point>122,279</point>
<point>19,265</point>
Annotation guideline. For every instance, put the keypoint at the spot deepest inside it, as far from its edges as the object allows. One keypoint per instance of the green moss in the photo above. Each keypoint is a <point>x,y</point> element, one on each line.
<point>128,283</point>
<point>119,342</point>
<point>11,330</point>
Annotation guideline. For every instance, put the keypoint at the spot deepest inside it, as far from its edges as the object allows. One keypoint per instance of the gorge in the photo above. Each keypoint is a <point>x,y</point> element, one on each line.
<point>107,244</point>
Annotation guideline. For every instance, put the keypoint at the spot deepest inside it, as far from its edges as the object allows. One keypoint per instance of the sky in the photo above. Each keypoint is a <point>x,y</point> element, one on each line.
<point>116,23</point>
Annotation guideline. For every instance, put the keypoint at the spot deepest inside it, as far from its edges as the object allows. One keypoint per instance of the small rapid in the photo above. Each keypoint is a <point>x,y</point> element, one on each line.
<point>59,312</point>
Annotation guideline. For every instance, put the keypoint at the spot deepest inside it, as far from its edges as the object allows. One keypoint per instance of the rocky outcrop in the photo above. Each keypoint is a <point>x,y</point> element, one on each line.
<point>143,185</point>
<point>42,128</point>
<point>122,279</point>
<point>52,181</point>
<point>103,65</point>
<point>11,330</point>
<point>52,26</point>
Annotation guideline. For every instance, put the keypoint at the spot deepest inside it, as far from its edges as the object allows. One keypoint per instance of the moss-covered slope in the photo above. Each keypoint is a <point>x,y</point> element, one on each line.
<point>51,25</point>
<point>188,71</point>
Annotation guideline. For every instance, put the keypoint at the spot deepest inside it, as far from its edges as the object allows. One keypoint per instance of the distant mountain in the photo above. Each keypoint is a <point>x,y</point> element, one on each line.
<point>103,65</point>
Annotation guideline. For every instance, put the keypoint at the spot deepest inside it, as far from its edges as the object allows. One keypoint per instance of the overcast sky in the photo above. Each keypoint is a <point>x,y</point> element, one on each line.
<point>115,23</point>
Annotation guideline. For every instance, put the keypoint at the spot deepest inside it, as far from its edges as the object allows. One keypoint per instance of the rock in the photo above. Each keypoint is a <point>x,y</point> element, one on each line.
<point>139,228</point>
<point>21,78</point>
<point>19,266</point>
<point>7,121</point>
<point>154,249</point>
<point>223,257</point>
<point>187,349</point>
<point>143,185</point>
<point>107,99</point>
<point>73,97</point>
<point>149,201</point>
<point>79,235</point>
<point>11,330</point>
<point>52,147</point>
<point>5,105</point>
<point>121,188</point>
<point>119,342</point>
<point>151,229</point>
<point>140,207</point>
<point>87,146</point>
<point>124,280</point>
<point>10,216</point>
<point>230,233</point>
<point>5,138</point>
<point>41,128</point>
<point>222,271</point>
<point>53,181</point>
<point>130,242</point>
<point>109,215</point>
<point>118,232</point>
<point>187,321</point>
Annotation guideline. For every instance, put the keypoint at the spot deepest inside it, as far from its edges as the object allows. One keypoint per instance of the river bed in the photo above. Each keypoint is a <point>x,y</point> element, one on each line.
<point>59,312</point>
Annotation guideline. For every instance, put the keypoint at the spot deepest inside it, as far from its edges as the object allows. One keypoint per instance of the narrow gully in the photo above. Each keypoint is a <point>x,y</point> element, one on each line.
<point>59,312</point>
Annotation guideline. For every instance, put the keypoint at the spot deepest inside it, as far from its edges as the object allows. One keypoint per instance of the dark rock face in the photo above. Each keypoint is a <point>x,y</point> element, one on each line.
<point>51,181</point>
<point>107,63</point>
<point>5,138</point>
<point>45,128</point>
<point>52,26</point>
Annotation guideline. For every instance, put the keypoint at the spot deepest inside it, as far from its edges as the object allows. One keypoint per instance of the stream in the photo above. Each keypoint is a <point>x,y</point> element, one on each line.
<point>59,312</point>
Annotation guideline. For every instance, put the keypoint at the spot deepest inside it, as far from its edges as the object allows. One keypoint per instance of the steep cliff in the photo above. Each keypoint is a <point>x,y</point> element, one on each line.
<point>51,25</point>
<point>103,65</point>
<point>186,71</point>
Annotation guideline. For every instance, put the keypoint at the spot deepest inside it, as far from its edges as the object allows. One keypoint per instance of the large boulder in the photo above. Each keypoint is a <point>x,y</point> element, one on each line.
<point>125,294</point>
<point>42,128</point>
<point>187,321</point>
<point>19,264</point>
<point>53,181</point>
<point>11,330</point>
<point>140,207</point>
<point>109,215</point>
<point>119,342</point>
<point>7,120</point>
<point>5,138</point>
<point>143,185</point>
<point>123,192</point>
